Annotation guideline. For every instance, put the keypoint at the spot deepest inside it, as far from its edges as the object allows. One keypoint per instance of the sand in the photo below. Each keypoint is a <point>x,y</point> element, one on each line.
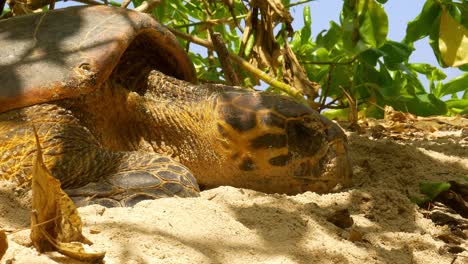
<point>232,225</point>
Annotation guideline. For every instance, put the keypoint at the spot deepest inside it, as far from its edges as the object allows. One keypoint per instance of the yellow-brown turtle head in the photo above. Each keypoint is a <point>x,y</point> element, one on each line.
<point>279,145</point>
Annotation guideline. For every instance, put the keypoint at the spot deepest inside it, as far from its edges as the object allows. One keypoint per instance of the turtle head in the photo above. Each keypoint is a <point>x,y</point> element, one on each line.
<point>283,145</point>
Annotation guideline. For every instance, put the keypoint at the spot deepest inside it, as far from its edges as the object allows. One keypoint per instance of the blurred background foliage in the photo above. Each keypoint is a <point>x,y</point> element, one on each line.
<point>349,71</point>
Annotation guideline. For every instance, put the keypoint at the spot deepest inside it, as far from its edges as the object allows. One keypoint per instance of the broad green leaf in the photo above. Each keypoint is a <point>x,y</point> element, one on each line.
<point>458,84</point>
<point>136,2</point>
<point>374,25</point>
<point>395,52</point>
<point>453,41</point>
<point>457,103</point>
<point>433,189</point>
<point>331,38</point>
<point>116,4</point>
<point>429,105</point>
<point>320,54</point>
<point>463,68</point>
<point>350,25</point>
<point>341,78</point>
<point>434,41</point>
<point>422,25</point>
<point>432,73</point>
<point>337,114</point>
<point>371,56</point>
<point>414,85</point>
<point>5,10</point>
<point>373,111</point>
<point>388,86</point>
<point>364,26</point>
<point>420,104</point>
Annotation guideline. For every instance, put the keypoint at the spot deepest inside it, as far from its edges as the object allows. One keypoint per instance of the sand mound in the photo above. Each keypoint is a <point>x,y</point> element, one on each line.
<point>231,225</point>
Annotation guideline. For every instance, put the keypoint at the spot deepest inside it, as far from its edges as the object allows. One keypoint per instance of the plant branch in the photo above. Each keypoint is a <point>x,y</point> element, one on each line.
<point>229,19</point>
<point>246,66</point>
<point>125,3</point>
<point>211,21</point>
<point>148,5</point>
<point>223,55</point>
<point>52,5</point>
<point>299,3</point>
<point>2,6</point>
<point>325,93</point>
<point>330,62</point>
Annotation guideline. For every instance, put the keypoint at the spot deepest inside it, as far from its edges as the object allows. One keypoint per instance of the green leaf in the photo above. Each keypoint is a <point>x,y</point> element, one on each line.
<point>395,52</point>
<point>434,40</point>
<point>364,26</point>
<point>420,104</point>
<point>457,103</point>
<point>306,31</point>
<point>388,86</point>
<point>331,38</point>
<point>371,56</point>
<point>433,189</point>
<point>374,25</point>
<point>337,114</point>
<point>463,67</point>
<point>5,10</point>
<point>422,25</point>
<point>453,41</point>
<point>432,73</point>
<point>136,3</point>
<point>455,85</point>
<point>116,4</point>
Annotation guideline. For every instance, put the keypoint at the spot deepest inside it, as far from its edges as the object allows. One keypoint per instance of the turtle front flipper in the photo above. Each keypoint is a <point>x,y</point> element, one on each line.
<point>139,176</point>
<point>89,172</point>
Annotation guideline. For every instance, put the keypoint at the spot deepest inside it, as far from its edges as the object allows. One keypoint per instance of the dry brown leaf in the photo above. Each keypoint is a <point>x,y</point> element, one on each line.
<point>266,50</point>
<point>295,75</point>
<point>55,223</point>
<point>391,114</point>
<point>353,110</point>
<point>275,9</point>
<point>3,243</point>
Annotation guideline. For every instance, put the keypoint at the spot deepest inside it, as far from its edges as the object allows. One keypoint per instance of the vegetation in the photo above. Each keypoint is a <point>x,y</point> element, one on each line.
<point>358,69</point>
<point>349,70</point>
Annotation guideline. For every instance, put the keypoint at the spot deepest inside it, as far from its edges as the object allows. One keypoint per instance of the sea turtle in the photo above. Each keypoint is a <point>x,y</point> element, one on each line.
<point>121,119</point>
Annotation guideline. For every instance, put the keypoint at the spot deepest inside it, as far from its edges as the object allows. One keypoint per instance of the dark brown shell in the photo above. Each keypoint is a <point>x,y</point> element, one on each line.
<point>67,52</point>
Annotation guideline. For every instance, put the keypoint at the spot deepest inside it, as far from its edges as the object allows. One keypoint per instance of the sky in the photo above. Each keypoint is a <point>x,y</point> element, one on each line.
<point>399,13</point>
